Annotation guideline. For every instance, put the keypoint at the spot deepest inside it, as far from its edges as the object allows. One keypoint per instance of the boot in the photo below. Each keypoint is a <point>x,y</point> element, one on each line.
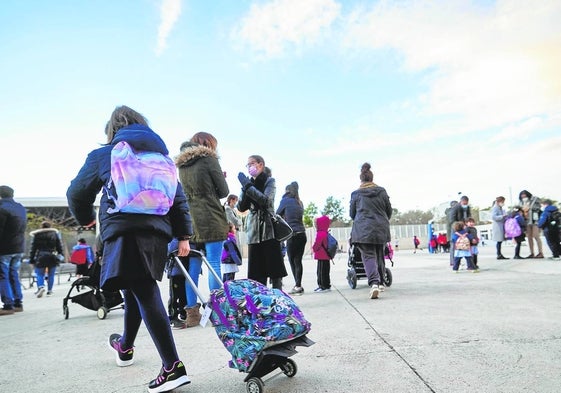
<point>193,316</point>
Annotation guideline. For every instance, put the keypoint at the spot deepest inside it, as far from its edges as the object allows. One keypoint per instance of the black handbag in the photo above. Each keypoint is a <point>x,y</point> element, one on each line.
<point>281,230</point>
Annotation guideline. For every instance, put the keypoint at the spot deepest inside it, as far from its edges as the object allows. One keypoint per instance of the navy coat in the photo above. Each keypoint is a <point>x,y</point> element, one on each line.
<point>371,211</point>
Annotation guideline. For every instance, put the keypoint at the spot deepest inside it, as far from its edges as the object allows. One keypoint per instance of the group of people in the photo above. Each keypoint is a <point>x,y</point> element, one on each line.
<point>531,216</point>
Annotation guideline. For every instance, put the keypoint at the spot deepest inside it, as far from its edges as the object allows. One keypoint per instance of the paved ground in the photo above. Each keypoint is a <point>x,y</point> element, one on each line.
<point>432,331</point>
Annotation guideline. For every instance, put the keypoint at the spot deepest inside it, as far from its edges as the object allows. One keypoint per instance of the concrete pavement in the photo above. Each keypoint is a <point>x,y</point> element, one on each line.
<point>432,331</point>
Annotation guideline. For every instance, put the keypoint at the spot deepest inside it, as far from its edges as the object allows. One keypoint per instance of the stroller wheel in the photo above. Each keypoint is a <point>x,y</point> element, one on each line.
<point>255,385</point>
<point>102,312</point>
<point>289,368</point>
<point>65,311</point>
<point>388,279</point>
<point>352,278</point>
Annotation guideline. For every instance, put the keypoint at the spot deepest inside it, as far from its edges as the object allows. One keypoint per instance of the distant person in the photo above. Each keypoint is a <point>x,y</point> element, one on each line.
<point>323,271</point>
<point>416,243</point>
<point>519,217</point>
<point>498,215</point>
<point>13,222</point>
<point>459,211</point>
<point>462,247</point>
<point>231,214</point>
<point>291,209</point>
<point>134,245</point>
<point>531,208</point>
<point>231,256</point>
<point>549,222</point>
<point>82,256</point>
<point>371,210</point>
<point>396,245</point>
<point>46,252</point>
<point>442,242</point>
<point>472,231</point>
<point>264,259</point>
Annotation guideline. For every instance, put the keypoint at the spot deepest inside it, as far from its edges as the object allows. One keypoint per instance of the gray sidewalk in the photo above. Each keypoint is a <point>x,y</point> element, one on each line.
<point>432,331</point>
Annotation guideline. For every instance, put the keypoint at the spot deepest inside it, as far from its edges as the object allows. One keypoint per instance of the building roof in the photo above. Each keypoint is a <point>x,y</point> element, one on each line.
<point>47,202</point>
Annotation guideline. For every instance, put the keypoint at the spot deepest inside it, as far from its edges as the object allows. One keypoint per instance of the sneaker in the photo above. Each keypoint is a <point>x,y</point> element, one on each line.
<point>40,292</point>
<point>296,291</point>
<point>18,307</point>
<point>177,324</point>
<point>169,379</point>
<point>318,289</point>
<point>374,292</point>
<point>381,288</point>
<point>123,358</point>
<point>473,270</point>
<point>7,311</point>
<point>50,293</point>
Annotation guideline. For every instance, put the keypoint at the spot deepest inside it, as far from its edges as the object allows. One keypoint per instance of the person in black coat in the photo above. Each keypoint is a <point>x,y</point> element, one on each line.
<point>134,246</point>
<point>13,221</point>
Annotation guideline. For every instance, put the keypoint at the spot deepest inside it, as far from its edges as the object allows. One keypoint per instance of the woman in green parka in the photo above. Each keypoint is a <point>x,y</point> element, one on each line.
<point>204,185</point>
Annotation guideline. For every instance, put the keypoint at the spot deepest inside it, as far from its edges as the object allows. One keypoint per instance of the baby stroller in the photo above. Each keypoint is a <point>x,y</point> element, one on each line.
<point>259,326</point>
<point>94,298</point>
<point>356,270</point>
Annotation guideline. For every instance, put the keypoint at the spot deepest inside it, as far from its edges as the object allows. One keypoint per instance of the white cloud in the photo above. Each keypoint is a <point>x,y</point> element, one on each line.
<point>269,29</point>
<point>169,14</point>
<point>495,65</point>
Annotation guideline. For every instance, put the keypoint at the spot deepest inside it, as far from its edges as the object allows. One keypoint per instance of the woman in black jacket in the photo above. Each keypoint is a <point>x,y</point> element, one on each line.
<point>264,251</point>
<point>371,212</point>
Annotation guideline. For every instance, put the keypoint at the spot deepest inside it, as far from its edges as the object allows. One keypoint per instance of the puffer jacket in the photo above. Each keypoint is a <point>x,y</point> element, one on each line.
<point>48,241</point>
<point>320,244</point>
<point>95,174</point>
<point>371,210</point>
<point>292,211</point>
<point>259,196</point>
<point>204,184</point>
<point>13,221</point>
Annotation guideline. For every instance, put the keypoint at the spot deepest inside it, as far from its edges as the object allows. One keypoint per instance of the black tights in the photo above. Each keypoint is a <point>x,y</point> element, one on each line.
<point>143,302</point>
<point>499,253</point>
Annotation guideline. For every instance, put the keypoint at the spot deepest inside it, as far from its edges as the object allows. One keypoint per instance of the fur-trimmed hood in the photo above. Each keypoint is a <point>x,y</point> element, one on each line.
<point>192,153</point>
<point>43,230</point>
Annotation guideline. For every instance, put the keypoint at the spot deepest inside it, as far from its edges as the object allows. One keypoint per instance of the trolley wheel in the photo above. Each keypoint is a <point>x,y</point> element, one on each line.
<point>289,368</point>
<point>102,312</point>
<point>255,385</point>
<point>65,311</point>
<point>352,278</point>
<point>388,279</point>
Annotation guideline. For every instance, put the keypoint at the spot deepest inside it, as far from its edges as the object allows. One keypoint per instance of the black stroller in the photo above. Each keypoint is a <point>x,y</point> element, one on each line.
<point>90,295</point>
<point>356,270</point>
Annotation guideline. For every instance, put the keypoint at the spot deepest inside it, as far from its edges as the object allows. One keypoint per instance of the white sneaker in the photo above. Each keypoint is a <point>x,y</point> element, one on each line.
<point>381,288</point>
<point>40,292</point>
<point>374,292</point>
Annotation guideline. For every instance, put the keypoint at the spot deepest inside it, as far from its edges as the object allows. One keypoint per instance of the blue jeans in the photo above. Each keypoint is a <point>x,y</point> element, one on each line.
<point>40,273</point>
<point>213,252</point>
<point>10,286</point>
<point>194,271</point>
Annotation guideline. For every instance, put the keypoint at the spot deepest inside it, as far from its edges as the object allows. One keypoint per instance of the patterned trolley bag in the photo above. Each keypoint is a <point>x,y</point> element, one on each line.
<point>249,317</point>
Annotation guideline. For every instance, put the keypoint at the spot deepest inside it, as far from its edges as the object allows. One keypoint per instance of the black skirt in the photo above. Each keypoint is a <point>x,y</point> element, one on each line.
<point>265,260</point>
<point>132,257</point>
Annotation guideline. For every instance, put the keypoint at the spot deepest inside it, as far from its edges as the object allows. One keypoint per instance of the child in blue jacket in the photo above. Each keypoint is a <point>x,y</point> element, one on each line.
<point>462,241</point>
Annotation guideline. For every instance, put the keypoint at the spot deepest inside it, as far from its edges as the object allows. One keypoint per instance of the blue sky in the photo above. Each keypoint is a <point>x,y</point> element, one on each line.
<point>440,97</point>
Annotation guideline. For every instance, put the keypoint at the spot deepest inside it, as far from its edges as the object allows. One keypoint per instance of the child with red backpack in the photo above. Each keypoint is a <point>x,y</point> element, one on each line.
<point>82,256</point>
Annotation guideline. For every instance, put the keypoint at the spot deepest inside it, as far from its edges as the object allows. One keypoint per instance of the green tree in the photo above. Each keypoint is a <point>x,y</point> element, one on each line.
<point>333,208</point>
<point>310,212</point>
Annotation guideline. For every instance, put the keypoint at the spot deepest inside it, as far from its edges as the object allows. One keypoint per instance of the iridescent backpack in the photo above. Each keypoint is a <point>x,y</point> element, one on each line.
<point>142,182</point>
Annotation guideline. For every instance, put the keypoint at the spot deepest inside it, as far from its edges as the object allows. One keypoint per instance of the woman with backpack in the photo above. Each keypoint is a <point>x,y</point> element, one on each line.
<point>371,210</point>
<point>135,246</point>
<point>498,215</point>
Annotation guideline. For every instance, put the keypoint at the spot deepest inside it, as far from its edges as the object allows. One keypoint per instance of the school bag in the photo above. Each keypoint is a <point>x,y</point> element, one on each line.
<point>79,256</point>
<point>332,246</point>
<point>512,228</point>
<point>142,182</point>
<point>249,317</point>
<point>462,243</point>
